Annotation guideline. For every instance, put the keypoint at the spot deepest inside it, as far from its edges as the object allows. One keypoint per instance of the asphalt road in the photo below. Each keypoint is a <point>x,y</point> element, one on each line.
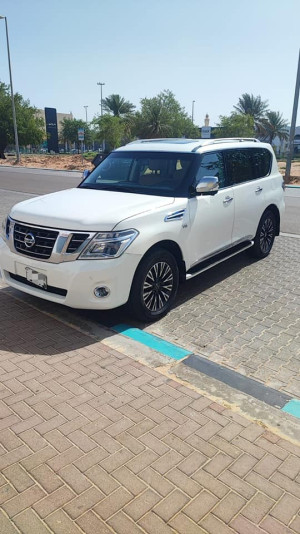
<point>37,181</point>
<point>17,184</point>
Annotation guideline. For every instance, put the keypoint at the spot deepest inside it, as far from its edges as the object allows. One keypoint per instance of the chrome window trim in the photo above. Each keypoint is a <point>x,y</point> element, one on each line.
<point>59,253</point>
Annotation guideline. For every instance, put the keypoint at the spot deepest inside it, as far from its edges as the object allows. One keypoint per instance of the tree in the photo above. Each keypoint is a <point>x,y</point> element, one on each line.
<point>117,105</point>
<point>69,131</point>
<point>111,129</point>
<point>162,116</point>
<point>273,125</point>
<point>235,126</point>
<point>253,106</point>
<point>30,127</point>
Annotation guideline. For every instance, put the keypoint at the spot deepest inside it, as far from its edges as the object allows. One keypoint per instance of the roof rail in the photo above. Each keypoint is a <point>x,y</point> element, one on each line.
<point>224,140</point>
<point>229,139</point>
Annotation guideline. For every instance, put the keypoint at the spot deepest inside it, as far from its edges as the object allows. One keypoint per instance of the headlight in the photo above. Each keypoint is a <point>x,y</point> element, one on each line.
<point>107,245</point>
<point>5,228</point>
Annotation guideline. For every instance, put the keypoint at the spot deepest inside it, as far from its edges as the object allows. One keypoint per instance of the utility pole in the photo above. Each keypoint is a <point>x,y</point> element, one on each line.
<point>12,94</point>
<point>193,111</point>
<point>101,107</point>
<point>293,125</point>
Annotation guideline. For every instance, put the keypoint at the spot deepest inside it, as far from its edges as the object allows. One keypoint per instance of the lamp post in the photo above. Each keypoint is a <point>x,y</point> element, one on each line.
<point>85,107</point>
<point>101,85</point>
<point>193,110</point>
<point>12,94</point>
<point>101,107</point>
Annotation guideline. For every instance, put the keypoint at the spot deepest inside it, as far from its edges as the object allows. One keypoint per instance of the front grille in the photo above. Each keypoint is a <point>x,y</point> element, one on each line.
<point>76,242</point>
<point>49,289</point>
<point>43,241</point>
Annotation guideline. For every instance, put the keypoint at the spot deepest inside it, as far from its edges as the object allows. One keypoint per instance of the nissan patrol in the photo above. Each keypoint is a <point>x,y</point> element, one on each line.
<point>153,213</point>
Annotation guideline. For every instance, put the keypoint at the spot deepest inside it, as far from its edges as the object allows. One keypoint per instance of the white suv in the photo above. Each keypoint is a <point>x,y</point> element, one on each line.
<point>153,213</point>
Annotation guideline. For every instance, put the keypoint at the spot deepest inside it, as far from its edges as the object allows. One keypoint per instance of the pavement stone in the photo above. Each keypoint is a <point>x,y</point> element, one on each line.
<point>94,441</point>
<point>245,315</point>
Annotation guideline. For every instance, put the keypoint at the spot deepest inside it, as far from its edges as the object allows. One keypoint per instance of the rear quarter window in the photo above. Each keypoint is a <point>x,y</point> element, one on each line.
<point>244,165</point>
<point>262,162</point>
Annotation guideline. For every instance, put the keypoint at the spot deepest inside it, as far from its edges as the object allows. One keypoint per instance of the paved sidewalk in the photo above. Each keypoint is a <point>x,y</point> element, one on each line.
<point>244,315</point>
<point>94,442</point>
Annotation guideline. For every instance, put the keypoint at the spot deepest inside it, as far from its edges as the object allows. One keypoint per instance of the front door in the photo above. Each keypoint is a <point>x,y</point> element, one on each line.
<point>211,215</point>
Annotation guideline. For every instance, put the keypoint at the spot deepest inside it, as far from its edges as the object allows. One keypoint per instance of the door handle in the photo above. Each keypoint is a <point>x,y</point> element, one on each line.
<point>227,200</point>
<point>258,189</point>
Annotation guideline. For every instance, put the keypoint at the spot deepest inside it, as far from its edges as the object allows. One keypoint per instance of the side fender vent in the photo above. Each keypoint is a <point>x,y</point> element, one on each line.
<point>175,216</point>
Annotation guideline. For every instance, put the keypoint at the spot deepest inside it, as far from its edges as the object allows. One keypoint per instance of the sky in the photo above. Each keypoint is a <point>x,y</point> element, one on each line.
<point>209,51</point>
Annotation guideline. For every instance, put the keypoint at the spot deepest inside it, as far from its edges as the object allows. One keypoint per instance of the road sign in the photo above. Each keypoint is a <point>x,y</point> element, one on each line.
<point>80,134</point>
<point>205,132</point>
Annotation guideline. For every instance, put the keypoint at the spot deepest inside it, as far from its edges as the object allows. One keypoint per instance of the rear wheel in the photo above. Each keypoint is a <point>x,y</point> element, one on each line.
<point>265,235</point>
<point>154,286</point>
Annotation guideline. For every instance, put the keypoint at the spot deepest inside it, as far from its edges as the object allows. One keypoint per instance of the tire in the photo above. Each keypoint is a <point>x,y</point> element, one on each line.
<point>265,235</point>
<point>154,286</point>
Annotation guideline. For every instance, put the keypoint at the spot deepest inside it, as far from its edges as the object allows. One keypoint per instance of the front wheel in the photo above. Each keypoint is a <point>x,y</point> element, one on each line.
<point>154,286</point>
<point>265,235</point>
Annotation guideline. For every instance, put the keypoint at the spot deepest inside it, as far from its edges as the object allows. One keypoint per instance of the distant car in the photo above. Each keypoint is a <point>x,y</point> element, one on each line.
<point>153,213</point>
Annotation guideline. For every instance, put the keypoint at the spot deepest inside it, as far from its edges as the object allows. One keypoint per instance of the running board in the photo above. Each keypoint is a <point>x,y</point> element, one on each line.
<point>218,258</point>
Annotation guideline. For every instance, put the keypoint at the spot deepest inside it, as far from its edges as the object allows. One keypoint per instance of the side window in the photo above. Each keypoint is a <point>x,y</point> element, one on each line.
<point>212,165</point>
<point>262,161</point>
<point>239,166</point>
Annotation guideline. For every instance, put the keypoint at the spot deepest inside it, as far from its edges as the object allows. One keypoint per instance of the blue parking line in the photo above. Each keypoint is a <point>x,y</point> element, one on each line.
<point>293,408</point>
<point>245,384</point>
<point>151,341</point>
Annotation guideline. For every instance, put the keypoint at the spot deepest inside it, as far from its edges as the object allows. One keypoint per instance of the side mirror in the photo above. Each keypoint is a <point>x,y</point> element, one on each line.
<point>85,174</point>
<point>208,184</point>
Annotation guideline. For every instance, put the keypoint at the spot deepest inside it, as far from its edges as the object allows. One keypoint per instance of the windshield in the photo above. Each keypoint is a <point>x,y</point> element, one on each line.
<point>149,173</point>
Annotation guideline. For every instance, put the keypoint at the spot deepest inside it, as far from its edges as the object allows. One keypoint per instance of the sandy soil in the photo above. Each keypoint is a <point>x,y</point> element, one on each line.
<point>43,161</point>
<point>295,171</point>
<point>74,162</point>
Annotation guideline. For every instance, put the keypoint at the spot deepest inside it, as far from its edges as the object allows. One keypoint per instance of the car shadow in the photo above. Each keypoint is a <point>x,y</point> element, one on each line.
<point>24,330</point>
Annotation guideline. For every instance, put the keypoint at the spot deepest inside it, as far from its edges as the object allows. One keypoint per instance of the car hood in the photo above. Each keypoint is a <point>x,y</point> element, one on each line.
<point>85,209</point>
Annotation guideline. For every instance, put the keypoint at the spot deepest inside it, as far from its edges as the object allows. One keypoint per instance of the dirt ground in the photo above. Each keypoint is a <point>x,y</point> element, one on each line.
<point>295,171</point>
<point>74,162</point>
<point>68,162</point>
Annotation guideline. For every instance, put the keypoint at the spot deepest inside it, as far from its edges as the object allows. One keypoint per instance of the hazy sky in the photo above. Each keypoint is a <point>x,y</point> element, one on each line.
<point>210,51</point>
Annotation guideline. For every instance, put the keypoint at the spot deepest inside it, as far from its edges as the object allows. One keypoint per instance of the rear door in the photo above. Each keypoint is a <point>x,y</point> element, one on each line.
<point>247,171</point>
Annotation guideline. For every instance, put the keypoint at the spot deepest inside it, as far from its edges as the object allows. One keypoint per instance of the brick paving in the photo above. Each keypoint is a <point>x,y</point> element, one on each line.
<point>92,441</point>
<point>244,315</point>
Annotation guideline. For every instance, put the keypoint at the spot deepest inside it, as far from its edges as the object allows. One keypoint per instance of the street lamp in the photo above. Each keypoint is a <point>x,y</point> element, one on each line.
<point>101,85</point>
<point>12,94</point>
<point>193,110</point>
<point>85,107</point>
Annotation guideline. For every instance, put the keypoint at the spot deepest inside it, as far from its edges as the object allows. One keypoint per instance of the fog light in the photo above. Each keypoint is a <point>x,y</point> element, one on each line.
<point>101,292</point>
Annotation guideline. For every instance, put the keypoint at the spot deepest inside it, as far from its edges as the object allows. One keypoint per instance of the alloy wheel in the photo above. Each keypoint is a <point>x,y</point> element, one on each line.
<point>158,285</point>
<point>266,235</point>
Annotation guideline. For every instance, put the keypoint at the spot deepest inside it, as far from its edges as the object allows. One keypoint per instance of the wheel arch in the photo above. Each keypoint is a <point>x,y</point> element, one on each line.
<point>173,248</point>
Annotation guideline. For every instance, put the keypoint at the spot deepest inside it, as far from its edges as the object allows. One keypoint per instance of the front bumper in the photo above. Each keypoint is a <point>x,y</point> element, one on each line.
<point>77,279</point>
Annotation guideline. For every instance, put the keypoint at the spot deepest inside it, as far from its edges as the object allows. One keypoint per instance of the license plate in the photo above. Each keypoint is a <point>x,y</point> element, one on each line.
<point>36,278</point>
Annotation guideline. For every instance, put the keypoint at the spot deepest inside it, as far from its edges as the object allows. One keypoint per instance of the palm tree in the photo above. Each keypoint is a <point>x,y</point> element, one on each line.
<point>253,106</point>
<point>153,121</point>
<point>273,125</point>
<point>117,105</point>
